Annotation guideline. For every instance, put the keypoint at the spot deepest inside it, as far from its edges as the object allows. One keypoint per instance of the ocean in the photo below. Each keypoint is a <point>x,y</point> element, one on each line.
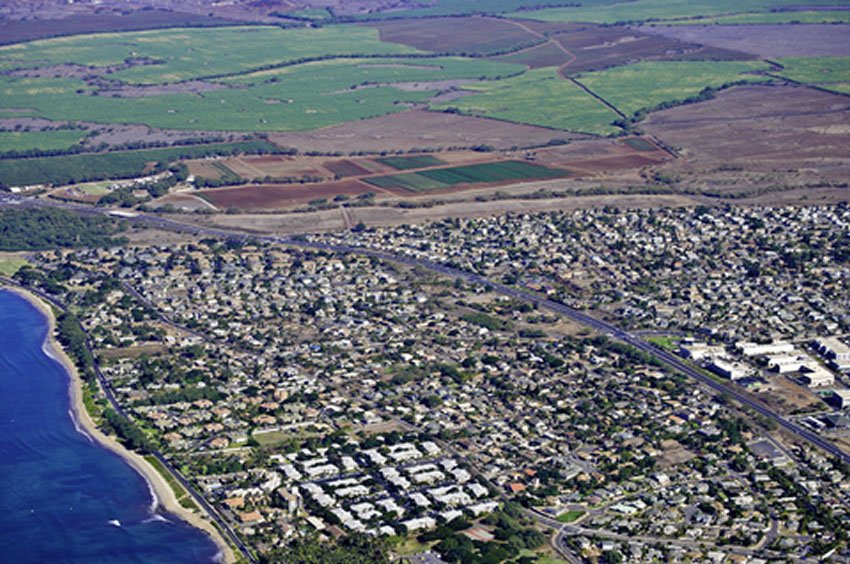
<point>63,497</point>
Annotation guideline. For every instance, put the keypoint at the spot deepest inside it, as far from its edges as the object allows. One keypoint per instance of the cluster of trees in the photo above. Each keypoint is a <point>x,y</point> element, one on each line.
<point>356,548</point>
<point>125,197</point>
<point>513,531</point>
<point>43,229</point>
<point>129,434</point>
<point>187,394</point>
<point>73,339</point>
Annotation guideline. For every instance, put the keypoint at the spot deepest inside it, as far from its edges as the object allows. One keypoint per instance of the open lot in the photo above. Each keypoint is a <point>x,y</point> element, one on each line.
<point>758,137</point>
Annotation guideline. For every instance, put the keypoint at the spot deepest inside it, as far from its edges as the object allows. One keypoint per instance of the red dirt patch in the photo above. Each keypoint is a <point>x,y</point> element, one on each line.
<point>345,168</point>
<point>279,196</point>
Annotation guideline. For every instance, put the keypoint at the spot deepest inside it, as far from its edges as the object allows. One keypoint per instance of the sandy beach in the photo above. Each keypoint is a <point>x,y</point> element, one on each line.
<point>161,490</point>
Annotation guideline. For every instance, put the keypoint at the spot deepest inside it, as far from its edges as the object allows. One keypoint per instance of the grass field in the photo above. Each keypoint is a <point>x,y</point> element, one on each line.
<point>42,140</point>
<point>442,178</point>
<point>569,516</point>
<point>538,97</point>
<point>300,97</point>
<point>643,10</point>
<point>645,85</point>
<point>120,164</point>
<point>9,265</point>
<point>406,163</point>
<point>831,73</point>
<point>182,54</point>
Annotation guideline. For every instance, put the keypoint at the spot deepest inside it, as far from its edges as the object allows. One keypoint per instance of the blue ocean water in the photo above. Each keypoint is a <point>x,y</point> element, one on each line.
<point>62,497</point>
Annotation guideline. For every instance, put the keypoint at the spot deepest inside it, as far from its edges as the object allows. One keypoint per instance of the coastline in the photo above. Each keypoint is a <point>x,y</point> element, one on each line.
<point>164,495</point>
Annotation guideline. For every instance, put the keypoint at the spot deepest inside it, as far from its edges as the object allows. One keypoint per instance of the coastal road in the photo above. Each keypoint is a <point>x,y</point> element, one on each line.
<point>222,525</point>
<point>604,327</point>
<point>601,326</point>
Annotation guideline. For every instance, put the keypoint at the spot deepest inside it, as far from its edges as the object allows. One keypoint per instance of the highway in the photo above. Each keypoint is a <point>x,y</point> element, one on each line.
<point>603,327</point>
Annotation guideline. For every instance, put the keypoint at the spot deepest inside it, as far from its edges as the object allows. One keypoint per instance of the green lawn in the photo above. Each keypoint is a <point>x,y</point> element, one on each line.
<point>9,265</point>
<point>648,84</point>
<point>643,10</point>
<point>663,341</point>
<point>42,140</point>
<point>569,516</point>
<point>538,97</point>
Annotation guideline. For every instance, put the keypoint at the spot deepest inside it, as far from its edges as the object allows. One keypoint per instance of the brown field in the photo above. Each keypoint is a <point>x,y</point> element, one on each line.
<point>599,157</point>
<point>786,397</point>
<point>346,168</point>
<point>595,158</point>
<point>769,41</point>
<point>276,166</point>
<point>596,47</point>
<point>277,196</point>
<point>758,137</point>
<point>455,35</point>
<point>418,129</point>
<point>203,169</point>
<point>14,31</point>
<point>333,220</point>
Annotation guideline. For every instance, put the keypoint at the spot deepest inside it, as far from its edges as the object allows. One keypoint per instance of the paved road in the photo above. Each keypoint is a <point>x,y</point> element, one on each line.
<point>110,396</point>
<point>603,327</point>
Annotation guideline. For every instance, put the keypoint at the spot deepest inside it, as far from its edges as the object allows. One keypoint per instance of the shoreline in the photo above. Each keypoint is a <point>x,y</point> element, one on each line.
<point>163,494</point>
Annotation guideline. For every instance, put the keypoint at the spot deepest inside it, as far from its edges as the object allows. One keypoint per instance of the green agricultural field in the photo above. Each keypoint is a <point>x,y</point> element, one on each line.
<point>646,85</point>
<point>185,53</point>
<point>783,17</point>
<point>299,97</point>
<point>538,97</point>
<point>643,10</point>
<point>441,178</point>
<point>119,164</point>
<point>831,73</point>
<point>407,163</point>
<point>19,141</point>
<point>465,7</point>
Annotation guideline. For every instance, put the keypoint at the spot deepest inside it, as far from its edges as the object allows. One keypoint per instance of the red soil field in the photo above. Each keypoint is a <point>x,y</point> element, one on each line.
<point>276,196</point>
